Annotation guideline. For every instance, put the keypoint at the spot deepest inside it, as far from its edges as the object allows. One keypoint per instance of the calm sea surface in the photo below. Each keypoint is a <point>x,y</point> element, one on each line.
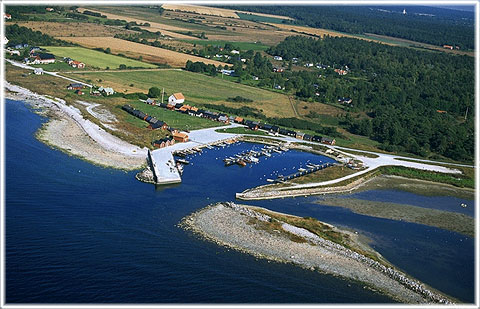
<point>77,233</point>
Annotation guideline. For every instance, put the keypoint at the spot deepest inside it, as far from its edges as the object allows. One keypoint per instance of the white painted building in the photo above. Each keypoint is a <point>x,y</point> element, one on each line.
<point>176,98</point>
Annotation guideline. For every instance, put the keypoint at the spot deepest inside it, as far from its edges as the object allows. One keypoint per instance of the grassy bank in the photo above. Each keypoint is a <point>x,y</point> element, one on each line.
<point>329,173</point>
<point>323,230</point>
<point>466,180</point>
<point>241,130</point>
<point>451,221</point>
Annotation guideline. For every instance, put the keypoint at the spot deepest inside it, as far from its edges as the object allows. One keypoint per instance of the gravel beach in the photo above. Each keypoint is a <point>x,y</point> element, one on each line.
<point>68,131</point>
<point>231,225</point>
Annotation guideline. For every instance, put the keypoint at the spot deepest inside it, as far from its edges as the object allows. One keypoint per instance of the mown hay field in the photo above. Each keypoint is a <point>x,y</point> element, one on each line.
<point>154,27</point>
<point>197,88</point>
<point>74,28</point>
<point>93,58</point>
<point>135,50</point>
<point>214,11</point>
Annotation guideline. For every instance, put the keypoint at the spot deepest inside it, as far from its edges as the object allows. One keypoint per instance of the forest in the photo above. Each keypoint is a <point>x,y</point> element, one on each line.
<point>18,34</point>
<point>422,24</point>
<point>416,101</point>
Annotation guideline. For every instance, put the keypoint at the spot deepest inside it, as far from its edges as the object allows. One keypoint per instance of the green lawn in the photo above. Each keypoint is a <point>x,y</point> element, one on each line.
<point>174,119</point>
<point>96,59</point>
<point>238,45</point>
<point>55,67</point>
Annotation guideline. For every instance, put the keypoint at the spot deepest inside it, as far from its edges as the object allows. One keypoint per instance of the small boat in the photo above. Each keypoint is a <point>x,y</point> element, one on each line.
<point>463,205</point>
<point>241,163</point>
<point>253,159</point>
<point>183,161</point>
<point>301,170</point>
<point>277,151</point>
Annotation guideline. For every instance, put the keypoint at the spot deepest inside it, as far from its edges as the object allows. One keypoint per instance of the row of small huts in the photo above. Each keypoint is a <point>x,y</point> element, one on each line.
<point>253,125</point>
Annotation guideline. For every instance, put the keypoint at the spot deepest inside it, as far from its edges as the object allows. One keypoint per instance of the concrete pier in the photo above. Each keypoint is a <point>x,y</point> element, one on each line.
<point>163,163</point>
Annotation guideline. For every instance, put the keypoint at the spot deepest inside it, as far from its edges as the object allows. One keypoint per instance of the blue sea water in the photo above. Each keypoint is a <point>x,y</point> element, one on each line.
<point>78,233</point>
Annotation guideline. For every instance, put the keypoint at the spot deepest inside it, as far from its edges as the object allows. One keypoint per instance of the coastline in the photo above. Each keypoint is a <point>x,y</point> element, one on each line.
<point>236,226</point>
<point>68,131</point>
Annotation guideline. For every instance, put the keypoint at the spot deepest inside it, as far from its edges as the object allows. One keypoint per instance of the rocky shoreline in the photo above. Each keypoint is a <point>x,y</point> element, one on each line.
<point>234,226</point>
<point>68,131</point>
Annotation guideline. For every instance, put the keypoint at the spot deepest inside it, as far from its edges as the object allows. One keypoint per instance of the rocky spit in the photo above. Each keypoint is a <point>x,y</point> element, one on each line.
<point>273,191</point>
<point>229,224</point>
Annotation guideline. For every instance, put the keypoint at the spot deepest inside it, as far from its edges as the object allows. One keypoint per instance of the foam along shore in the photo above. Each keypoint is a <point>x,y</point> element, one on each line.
<point>254,231</point>
<point>70,132</point>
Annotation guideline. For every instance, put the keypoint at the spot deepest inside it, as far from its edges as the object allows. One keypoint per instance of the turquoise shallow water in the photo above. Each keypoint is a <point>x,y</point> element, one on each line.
<point>77,233</point>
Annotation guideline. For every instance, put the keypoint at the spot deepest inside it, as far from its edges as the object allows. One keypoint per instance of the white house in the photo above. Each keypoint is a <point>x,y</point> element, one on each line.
<point>176,98</point>
<point>235,52</point>
<point>5,40</point>
<point>106,91</point>
<point>279,58</point>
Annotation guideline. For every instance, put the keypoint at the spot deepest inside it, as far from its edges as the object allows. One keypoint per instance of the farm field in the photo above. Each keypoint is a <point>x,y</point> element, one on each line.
<point>197,88</point>
<point>132,49</point>
<point>240,45</point>
<point>154,27</point>
<point>94,58</point>
<point>72,28</point>
<point>214,11</point>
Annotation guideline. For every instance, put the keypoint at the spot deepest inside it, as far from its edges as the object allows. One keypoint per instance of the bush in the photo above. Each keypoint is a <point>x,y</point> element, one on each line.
<point>154,92</point>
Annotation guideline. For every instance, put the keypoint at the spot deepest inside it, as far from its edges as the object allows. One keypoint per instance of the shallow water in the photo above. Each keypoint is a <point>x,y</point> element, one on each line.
<point>80,233</point>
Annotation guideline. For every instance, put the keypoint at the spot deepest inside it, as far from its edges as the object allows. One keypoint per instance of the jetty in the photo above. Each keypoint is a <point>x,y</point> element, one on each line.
<point>253,155</point>
<point>311,168</point>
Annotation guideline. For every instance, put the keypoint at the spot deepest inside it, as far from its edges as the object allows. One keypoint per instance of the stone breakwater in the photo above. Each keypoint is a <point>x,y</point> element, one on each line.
<point>230,225</point>
<point>273,191</point>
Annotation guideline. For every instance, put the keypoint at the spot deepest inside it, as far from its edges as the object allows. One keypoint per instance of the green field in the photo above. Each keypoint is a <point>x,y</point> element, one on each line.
<point>95,59</point>
<point>174,119</point>
<point>238,45</point>
<point>197,88</point>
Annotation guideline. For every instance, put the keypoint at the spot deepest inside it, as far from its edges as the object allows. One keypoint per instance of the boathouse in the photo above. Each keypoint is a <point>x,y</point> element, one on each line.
<point>180,137</point>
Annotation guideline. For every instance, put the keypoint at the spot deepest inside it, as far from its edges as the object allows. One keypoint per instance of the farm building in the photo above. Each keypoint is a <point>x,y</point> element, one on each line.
<point>176,98</point>
<point>299,135</point>
<point>180,137</point>
<point>43,58</point>
<point>79,92</point>
<point>75,86</point>
<point>317,138</point>
<point>7,16</point>
<point>344,100</point>
<point>307,137</point>
<point>77,64</point>
<point>150,101</point>
<point>278,58</point>
<point>13,52</point>
<point>327,140</point>
<point>106,91</point>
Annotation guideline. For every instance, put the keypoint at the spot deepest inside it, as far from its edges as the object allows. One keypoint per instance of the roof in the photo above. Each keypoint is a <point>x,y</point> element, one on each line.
<point>44,56</point>
<point>180,134</point>
<point>178,96</point>
<point>75,85</point>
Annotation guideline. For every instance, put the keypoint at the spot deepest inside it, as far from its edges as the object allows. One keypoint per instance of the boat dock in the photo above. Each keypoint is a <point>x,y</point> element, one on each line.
<point>252,156</point>
<point>162,161</point>
<point>311,168</point>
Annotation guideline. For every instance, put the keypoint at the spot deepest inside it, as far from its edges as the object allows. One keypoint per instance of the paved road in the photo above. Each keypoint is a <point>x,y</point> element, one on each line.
<point>27,67</point>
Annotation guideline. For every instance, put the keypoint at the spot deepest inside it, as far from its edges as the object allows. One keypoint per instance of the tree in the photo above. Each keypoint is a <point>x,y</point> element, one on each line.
<point>154,92</point>
<point>108,50</point>
<point>122,67</point>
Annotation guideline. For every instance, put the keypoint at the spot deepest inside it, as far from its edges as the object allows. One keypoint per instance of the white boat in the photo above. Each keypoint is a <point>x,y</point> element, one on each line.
<point>253,159</point>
